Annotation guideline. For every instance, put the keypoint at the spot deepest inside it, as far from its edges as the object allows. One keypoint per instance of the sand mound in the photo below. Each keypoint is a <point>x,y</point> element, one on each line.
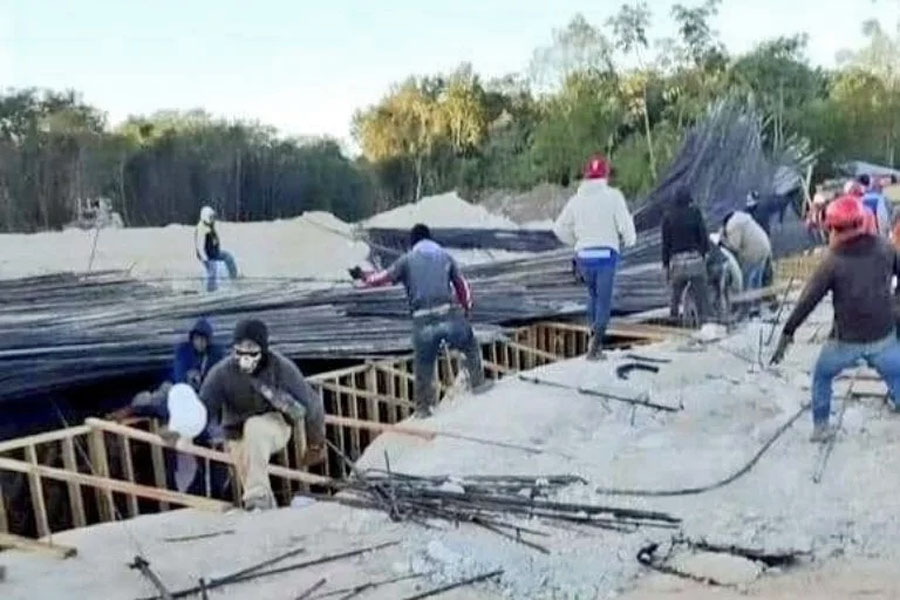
<point>313,245</point>
<point>534,208</point>
<point>444,210</point>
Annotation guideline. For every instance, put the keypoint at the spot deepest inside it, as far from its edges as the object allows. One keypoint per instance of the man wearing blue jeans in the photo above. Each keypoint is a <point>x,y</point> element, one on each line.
<point>857,270</point>
<point>595,221</point>
<point>206,242</point>
<point>429,274</point>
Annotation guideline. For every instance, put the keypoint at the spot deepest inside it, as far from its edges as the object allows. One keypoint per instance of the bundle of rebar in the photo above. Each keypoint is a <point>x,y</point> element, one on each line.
<point>498,503</point>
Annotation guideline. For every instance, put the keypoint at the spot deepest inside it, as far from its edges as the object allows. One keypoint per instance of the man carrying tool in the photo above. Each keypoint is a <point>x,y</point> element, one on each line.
<point>206,244</point>
<point>595,221</point>
<point>256,397</point>
<point>857,270</point>
<point>685,244</point>
<point>429,273</point>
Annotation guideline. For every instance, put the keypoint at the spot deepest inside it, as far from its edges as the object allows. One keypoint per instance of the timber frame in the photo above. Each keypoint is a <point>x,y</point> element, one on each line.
<point>102,471</point>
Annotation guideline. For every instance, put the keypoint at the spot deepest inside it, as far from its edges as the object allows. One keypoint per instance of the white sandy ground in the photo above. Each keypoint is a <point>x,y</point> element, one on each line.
<point>443,210</point>
<point>303,247</point>
<point>849,521</point>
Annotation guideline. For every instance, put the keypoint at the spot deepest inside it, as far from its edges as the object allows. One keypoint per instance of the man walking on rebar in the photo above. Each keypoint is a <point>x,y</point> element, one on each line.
<point>857,269</point>
<point>429,273</point>
<point>595,221</point>
<point>256,398</point>
<point>207,247</point>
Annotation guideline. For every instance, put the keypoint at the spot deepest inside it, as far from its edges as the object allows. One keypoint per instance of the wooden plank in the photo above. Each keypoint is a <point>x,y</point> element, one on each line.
<point>4,520</point>
<point>372,411</point>
<point>36,488</point>
<point>131,503</point>
<point>375,426</point>
<point>114,485</point>
<point>353,413</point>
<point>492,359</point>
<point>42,438</point>
<point>334,375</point>
<point>158,460</point>
<point>760,294</point>
<point>391,390</point>
<point>76,500</point>
<point>100,468</point>
<point>9,540</point>
<point>150,438</point>
<point>532,352</point>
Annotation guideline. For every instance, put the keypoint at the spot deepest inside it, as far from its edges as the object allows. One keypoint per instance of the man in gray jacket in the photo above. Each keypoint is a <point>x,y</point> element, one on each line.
<point>428,273</point>
<point>256,397</point>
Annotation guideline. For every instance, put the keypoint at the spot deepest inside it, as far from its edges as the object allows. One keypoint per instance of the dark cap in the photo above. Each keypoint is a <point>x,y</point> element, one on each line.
<point>253,330</point>
<point>418,233</point>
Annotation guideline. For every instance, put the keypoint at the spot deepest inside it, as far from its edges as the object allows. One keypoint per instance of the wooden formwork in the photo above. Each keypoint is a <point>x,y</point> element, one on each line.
<point>105,471</point>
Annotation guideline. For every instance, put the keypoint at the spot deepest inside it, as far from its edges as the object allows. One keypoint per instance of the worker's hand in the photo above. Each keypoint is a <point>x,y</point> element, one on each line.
<point>265,391</point>
<point>315,453</point>
<point>356,273</point>
<point>783,343</point>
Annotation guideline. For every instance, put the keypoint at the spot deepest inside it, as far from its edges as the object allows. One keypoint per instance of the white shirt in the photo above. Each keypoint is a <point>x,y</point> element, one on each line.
<point>596,217</point>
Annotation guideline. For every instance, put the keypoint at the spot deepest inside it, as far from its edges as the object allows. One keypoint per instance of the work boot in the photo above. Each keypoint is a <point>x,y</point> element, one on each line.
<point>822,432</point>
<point>595,349</point>
<point>259,502</point>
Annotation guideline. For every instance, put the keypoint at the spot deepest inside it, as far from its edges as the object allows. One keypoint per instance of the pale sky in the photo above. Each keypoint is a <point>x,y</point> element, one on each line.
<point>305,66</point>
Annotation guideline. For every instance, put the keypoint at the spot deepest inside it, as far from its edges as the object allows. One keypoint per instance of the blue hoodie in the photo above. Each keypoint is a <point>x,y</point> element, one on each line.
<point>187,359</point>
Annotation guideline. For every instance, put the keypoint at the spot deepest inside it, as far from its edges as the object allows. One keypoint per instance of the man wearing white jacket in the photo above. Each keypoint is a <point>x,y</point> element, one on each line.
<point>597,223</point>
<point>206,245</point>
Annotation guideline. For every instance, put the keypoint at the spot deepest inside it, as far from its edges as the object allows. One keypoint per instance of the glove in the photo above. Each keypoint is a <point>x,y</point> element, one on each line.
<point>281,401</point>
<point>783,343</point>
<point>356,273</point>
<point>315,453</point>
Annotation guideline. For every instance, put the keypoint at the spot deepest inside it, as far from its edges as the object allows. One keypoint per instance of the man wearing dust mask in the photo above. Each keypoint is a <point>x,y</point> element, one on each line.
<point>255,398</point>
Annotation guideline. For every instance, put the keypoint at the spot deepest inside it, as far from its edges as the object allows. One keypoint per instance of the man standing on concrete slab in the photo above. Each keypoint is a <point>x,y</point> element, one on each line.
<point>255,397</point>
<point>742,233</point>
<point>857,269</point>
<point>596,221</point>
<point>685,244</point>
<point>207,246</point>
<point>429,273</point>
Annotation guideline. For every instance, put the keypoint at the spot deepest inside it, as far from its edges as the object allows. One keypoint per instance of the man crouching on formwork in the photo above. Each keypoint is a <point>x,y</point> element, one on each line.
<point>255,398</point>
<point>857,270</point>
<point>429,273</point>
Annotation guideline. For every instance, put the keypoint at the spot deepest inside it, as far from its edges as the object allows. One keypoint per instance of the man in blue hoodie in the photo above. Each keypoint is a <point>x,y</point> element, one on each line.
<point>196,356</point>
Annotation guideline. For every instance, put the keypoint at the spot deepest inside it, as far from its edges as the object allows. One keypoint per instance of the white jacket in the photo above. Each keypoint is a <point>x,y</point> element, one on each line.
<point>596,216</point>
<point>748,240</point>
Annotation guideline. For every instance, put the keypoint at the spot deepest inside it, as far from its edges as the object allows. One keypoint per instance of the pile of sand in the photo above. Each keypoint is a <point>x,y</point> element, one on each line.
<point>313,245</point>
<point>535,209</point>
<point>444,210</point>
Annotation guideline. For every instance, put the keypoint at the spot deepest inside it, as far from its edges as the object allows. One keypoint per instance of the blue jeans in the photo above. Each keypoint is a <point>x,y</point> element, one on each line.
<point>753,275</point>
<point>883,356</point>
<point>212,269</point>
<point>598,270</point>
<point>429,332</point>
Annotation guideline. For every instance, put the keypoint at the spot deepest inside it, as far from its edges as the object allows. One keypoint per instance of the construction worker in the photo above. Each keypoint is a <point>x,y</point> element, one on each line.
<point>685,244</point>
<point>196,356</point>
<point>875,201</point>
<point>254,398</point>
<point>596,222</point>
<point>429,273</point>
<point>209,251</point>
<point>857,270</point>
<point>743,235</point>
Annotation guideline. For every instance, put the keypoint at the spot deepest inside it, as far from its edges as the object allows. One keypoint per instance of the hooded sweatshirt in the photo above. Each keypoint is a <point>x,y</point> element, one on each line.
<point>187,359</point>
<point>231,397</point>
<point>858,274</point>
<point>748,240</point>
<point>596,217</point>
<point>683,230</point>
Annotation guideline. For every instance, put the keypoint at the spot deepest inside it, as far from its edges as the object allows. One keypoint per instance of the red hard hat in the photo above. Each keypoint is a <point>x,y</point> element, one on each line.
<point>597,167</point>
<point>845,212</point>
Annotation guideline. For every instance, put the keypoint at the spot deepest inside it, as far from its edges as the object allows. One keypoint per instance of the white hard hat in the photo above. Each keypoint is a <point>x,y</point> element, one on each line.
<point>715,238</point>
<point>207,214</point>
<point>187,414</point>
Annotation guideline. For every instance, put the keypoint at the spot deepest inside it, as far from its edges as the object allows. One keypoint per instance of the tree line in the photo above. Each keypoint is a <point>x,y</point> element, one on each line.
<point>605,87</point>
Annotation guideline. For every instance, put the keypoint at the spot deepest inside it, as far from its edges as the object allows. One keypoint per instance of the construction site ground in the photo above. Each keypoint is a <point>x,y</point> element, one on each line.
<point>846,527</point>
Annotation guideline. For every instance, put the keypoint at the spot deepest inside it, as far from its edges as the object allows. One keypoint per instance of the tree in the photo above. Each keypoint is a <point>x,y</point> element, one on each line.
<point>579,48</point>
<point>630,29</point>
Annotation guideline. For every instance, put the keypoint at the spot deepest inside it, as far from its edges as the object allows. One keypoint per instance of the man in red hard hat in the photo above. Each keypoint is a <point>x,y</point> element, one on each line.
<point>857,270</point>
<point>597,223</point>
